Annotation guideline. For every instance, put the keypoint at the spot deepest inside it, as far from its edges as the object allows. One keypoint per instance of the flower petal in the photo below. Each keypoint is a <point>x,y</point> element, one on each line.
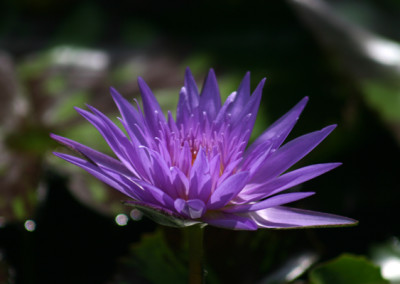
<point>247,116</point>
<point>242,96</point>
<point>151,108</point>
<point>281,128</point>
<point>155,195</point>
<point>193,208</point>
<point>285,181</point>
<point>227,190</point>
<point>269,202</point>
<point>200,178</point>
<point>210,99</point>
<point>192,90</point>
<point>111,133</point>
<point>100,159</point>
<point>130,116</point>
<point>286,217</point>
<point>229,221</point>
<point>116,181</point>
<point>289,154</point>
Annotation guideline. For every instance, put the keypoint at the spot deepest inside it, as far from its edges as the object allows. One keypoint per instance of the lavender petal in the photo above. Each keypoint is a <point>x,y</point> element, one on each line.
<point>227,190</point>
<point>210,99</point>
<point>281,128</point>
<point>289,154</point>
<point>269,202</point>
<point>285,181</point>
<point>229,221</point>
<point>286,217</point>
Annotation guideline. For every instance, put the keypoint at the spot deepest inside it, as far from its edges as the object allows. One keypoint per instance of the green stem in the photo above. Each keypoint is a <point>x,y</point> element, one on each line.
<point>195,238</point>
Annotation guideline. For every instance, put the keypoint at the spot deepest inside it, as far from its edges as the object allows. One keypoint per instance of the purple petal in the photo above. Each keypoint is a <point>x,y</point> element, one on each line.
<point>289,154</point>
<point>159,171</point>
<point>192,91</point>
<point>257,158</point>
<point>248,113</point>
<point>285,181</point>
<point>116,181</point>
<point>155,195</point>
<point>200,178</point>
<point>229,221</point>
<point>100,159</point>
<point>215,169</point>
<point>241,97</point>
<point>193,208</point>
<point>151,108</point>
<point>281,128</point>
<point>228,190</point>
<point>269,202</point>
<point>131,117</point>
<point>210,99</point>
<point>224,115</point>
<point>184,161</point>
<point>285,217</point>
<point>180,183</point>
<point>111,133</point>
<point>183,110</point>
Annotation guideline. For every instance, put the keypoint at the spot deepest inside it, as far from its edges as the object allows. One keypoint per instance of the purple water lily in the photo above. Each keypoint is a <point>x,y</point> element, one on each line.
<point>196,169</point>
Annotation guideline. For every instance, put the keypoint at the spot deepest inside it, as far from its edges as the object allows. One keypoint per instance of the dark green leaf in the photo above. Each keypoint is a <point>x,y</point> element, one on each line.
<point>347,269</point>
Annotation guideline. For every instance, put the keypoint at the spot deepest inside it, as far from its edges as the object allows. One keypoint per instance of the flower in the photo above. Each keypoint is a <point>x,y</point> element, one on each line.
<point>196,168</point>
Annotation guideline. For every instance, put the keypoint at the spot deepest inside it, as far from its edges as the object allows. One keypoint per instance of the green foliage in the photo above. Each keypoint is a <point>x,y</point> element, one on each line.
<point>156,262</point>
<point>384,98</point>
<point>347,269</point>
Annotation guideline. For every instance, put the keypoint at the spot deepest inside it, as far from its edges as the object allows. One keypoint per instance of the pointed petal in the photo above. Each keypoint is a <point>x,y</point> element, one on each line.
<point>111,133</point>
<point>179,182</point>
<point>155,195</point>
<point>253,161</point>
<point>183,109</point>
<point>285,181</point>
<point>286,217</point>
<point>131,117</point>
<point>151,108</point>
<point>269,202</point>
<point>200,178</point>
<point>116,181</point>
<point>250,107</point>
<point>224,116</point>
<point>289,154</point>
<point>229,221</point>
<point>242,96</point>
<point>193,208</point>
<point>244,122</point>
<point>281,128</point>
<point>210,100</point>
<point>192,91</point>
<point>159,171</point>
<point>227,190</point>
<point>100,159</point>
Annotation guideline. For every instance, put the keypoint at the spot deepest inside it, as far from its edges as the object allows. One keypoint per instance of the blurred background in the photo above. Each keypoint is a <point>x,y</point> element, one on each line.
<point>60,225</point>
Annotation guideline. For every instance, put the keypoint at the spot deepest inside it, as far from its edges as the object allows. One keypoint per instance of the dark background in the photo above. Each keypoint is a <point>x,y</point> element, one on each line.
<point>304,48</point>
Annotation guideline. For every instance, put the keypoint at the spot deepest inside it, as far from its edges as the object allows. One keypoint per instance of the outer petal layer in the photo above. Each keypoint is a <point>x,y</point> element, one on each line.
<point>229,221</point>
<point>284,217</point>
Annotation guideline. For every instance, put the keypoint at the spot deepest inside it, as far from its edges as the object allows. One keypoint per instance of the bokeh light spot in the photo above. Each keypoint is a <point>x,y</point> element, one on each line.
<point>136,215</point>
<point>30,225</point>
<point>121,219</point>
